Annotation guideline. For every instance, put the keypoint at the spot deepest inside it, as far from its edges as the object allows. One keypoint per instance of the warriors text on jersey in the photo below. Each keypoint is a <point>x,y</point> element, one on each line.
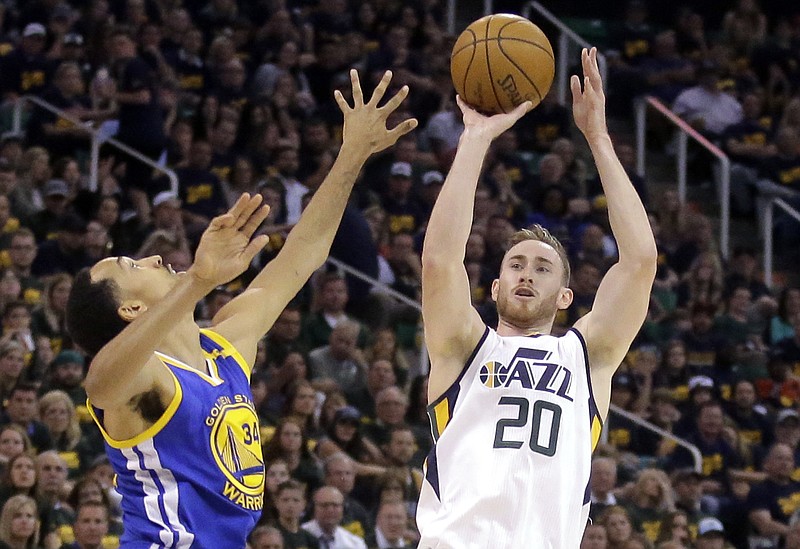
<point>513,442</point>
<point>195,479</point>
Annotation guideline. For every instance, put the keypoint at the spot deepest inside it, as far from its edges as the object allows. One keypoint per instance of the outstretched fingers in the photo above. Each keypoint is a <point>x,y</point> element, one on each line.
<point>402,128</point>
<point>358,95</point>
<point>395,101</point>
<point>255,246</point>
<point>594,71</point>
<point>250,206</point>
<point>575,86</point>
<point>341,101</point>
<point>380,89</point>
<point>255,220</point>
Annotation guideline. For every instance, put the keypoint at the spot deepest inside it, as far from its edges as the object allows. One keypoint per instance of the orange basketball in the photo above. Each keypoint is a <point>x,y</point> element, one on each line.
<point>500,61</point>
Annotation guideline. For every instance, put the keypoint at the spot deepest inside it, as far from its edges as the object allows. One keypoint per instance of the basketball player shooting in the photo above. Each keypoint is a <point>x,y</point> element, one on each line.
<point>173,401</point>
<point>516,412</point>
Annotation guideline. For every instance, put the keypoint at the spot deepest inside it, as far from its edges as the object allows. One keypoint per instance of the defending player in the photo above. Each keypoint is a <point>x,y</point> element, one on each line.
<point>515,411</point>
<point>173,401</point>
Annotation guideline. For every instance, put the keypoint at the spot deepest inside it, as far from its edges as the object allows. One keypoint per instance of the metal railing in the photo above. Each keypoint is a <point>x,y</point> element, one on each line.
<point>95,141</point>
<point>694,450</point>
<point>684,132</point>
<point>766,231</point>
<point>566,38</point>
<point>344,267</point>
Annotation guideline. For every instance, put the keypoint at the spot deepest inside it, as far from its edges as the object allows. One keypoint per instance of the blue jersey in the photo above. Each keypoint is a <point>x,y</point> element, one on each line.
<point>195,478</point>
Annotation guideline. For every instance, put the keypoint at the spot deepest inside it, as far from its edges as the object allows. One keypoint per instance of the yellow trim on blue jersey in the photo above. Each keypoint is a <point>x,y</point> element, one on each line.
<point>442,414</point>
<point>597,428</point>
<point>228,350</point>
<point>151,431</point>
<point>170,361</point>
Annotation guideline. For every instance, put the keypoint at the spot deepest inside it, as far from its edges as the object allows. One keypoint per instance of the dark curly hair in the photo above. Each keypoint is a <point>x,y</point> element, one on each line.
<point>92,318</point>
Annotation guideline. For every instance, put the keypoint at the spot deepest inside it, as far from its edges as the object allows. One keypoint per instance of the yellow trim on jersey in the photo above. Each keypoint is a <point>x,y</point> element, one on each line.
<point>151,431</point>
<point>597,429</point>
<point>442,414</point>
<point>228,350</point>
<point>170,361</point>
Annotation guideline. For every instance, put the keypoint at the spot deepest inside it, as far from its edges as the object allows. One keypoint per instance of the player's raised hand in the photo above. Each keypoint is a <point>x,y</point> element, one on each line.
<point>491,126</point>
<point>227,246</point>
<point>589,105</point>
<point>365,123</point>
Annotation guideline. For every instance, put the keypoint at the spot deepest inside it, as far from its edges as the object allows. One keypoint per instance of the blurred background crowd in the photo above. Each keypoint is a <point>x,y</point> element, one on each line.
<point>237,96</point>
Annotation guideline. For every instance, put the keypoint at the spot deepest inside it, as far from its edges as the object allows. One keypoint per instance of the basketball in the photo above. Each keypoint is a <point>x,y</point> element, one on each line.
<point>500,61</point>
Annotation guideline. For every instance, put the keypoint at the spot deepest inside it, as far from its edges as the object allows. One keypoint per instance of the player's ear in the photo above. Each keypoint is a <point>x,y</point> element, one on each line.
<point>564,298</point>
<point>130,309</point>
<point>495,288</point>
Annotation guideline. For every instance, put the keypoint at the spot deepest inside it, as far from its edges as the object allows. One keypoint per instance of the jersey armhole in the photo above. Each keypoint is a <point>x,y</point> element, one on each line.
<point>228,349</point>
<point>150,432</point>
<point>594,412</point>
<point>441,410</point>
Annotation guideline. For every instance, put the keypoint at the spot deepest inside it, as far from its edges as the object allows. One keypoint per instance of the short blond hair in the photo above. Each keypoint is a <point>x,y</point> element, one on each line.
<point>539,233</point>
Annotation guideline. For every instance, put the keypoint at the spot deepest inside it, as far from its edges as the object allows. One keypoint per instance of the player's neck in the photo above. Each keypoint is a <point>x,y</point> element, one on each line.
<point>507,328</point>
<point>183,343</point>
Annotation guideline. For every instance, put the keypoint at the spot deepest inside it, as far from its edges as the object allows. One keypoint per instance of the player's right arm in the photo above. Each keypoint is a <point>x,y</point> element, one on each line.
<point>452,326</point>
<point>126,366</point>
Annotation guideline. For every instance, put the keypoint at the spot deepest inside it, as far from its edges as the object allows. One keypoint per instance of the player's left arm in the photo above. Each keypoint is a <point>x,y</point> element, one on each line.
<point>622,299</point>
<point>245,319</point>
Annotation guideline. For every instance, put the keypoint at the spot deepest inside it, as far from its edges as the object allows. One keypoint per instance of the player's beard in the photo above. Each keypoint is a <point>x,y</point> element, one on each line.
<point>526,314</point>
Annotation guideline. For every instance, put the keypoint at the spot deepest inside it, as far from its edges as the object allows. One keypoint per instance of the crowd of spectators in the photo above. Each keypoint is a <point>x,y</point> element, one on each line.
<point>237,97</point>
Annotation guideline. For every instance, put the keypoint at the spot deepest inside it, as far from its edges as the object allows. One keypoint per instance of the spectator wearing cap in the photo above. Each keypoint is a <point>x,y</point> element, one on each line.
<point>25,68</point>
<point>432,182</point>
<point>701,343</point>
<point>688,493</point>
<point>67,374</point>
<point>719,458</point>
<point>749,414</point>
<point>65,253</point>
<point>622,432</point>
<point>346,434</point>
<point>772,503</point>
<point>46,223</point>
<point>787,431</point>
<point>701,390</point>
<point>166,217</point>
<point>404,214</point>
<point>710,534</point>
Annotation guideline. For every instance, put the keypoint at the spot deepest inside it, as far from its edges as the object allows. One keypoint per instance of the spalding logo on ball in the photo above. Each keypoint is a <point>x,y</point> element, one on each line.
<point>500,61</point>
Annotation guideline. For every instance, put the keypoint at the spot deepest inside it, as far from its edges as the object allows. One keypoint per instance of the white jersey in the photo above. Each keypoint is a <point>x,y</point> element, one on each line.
<point>513,438</point>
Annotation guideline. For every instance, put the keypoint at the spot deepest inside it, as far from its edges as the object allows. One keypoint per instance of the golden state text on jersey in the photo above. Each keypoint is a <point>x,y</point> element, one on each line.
<point>513,438</point>
<point>195,478</point>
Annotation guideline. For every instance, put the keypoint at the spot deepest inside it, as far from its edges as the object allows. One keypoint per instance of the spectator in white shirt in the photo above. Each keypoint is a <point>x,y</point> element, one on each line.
<point>706,107</point>
<point>328,513</point>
